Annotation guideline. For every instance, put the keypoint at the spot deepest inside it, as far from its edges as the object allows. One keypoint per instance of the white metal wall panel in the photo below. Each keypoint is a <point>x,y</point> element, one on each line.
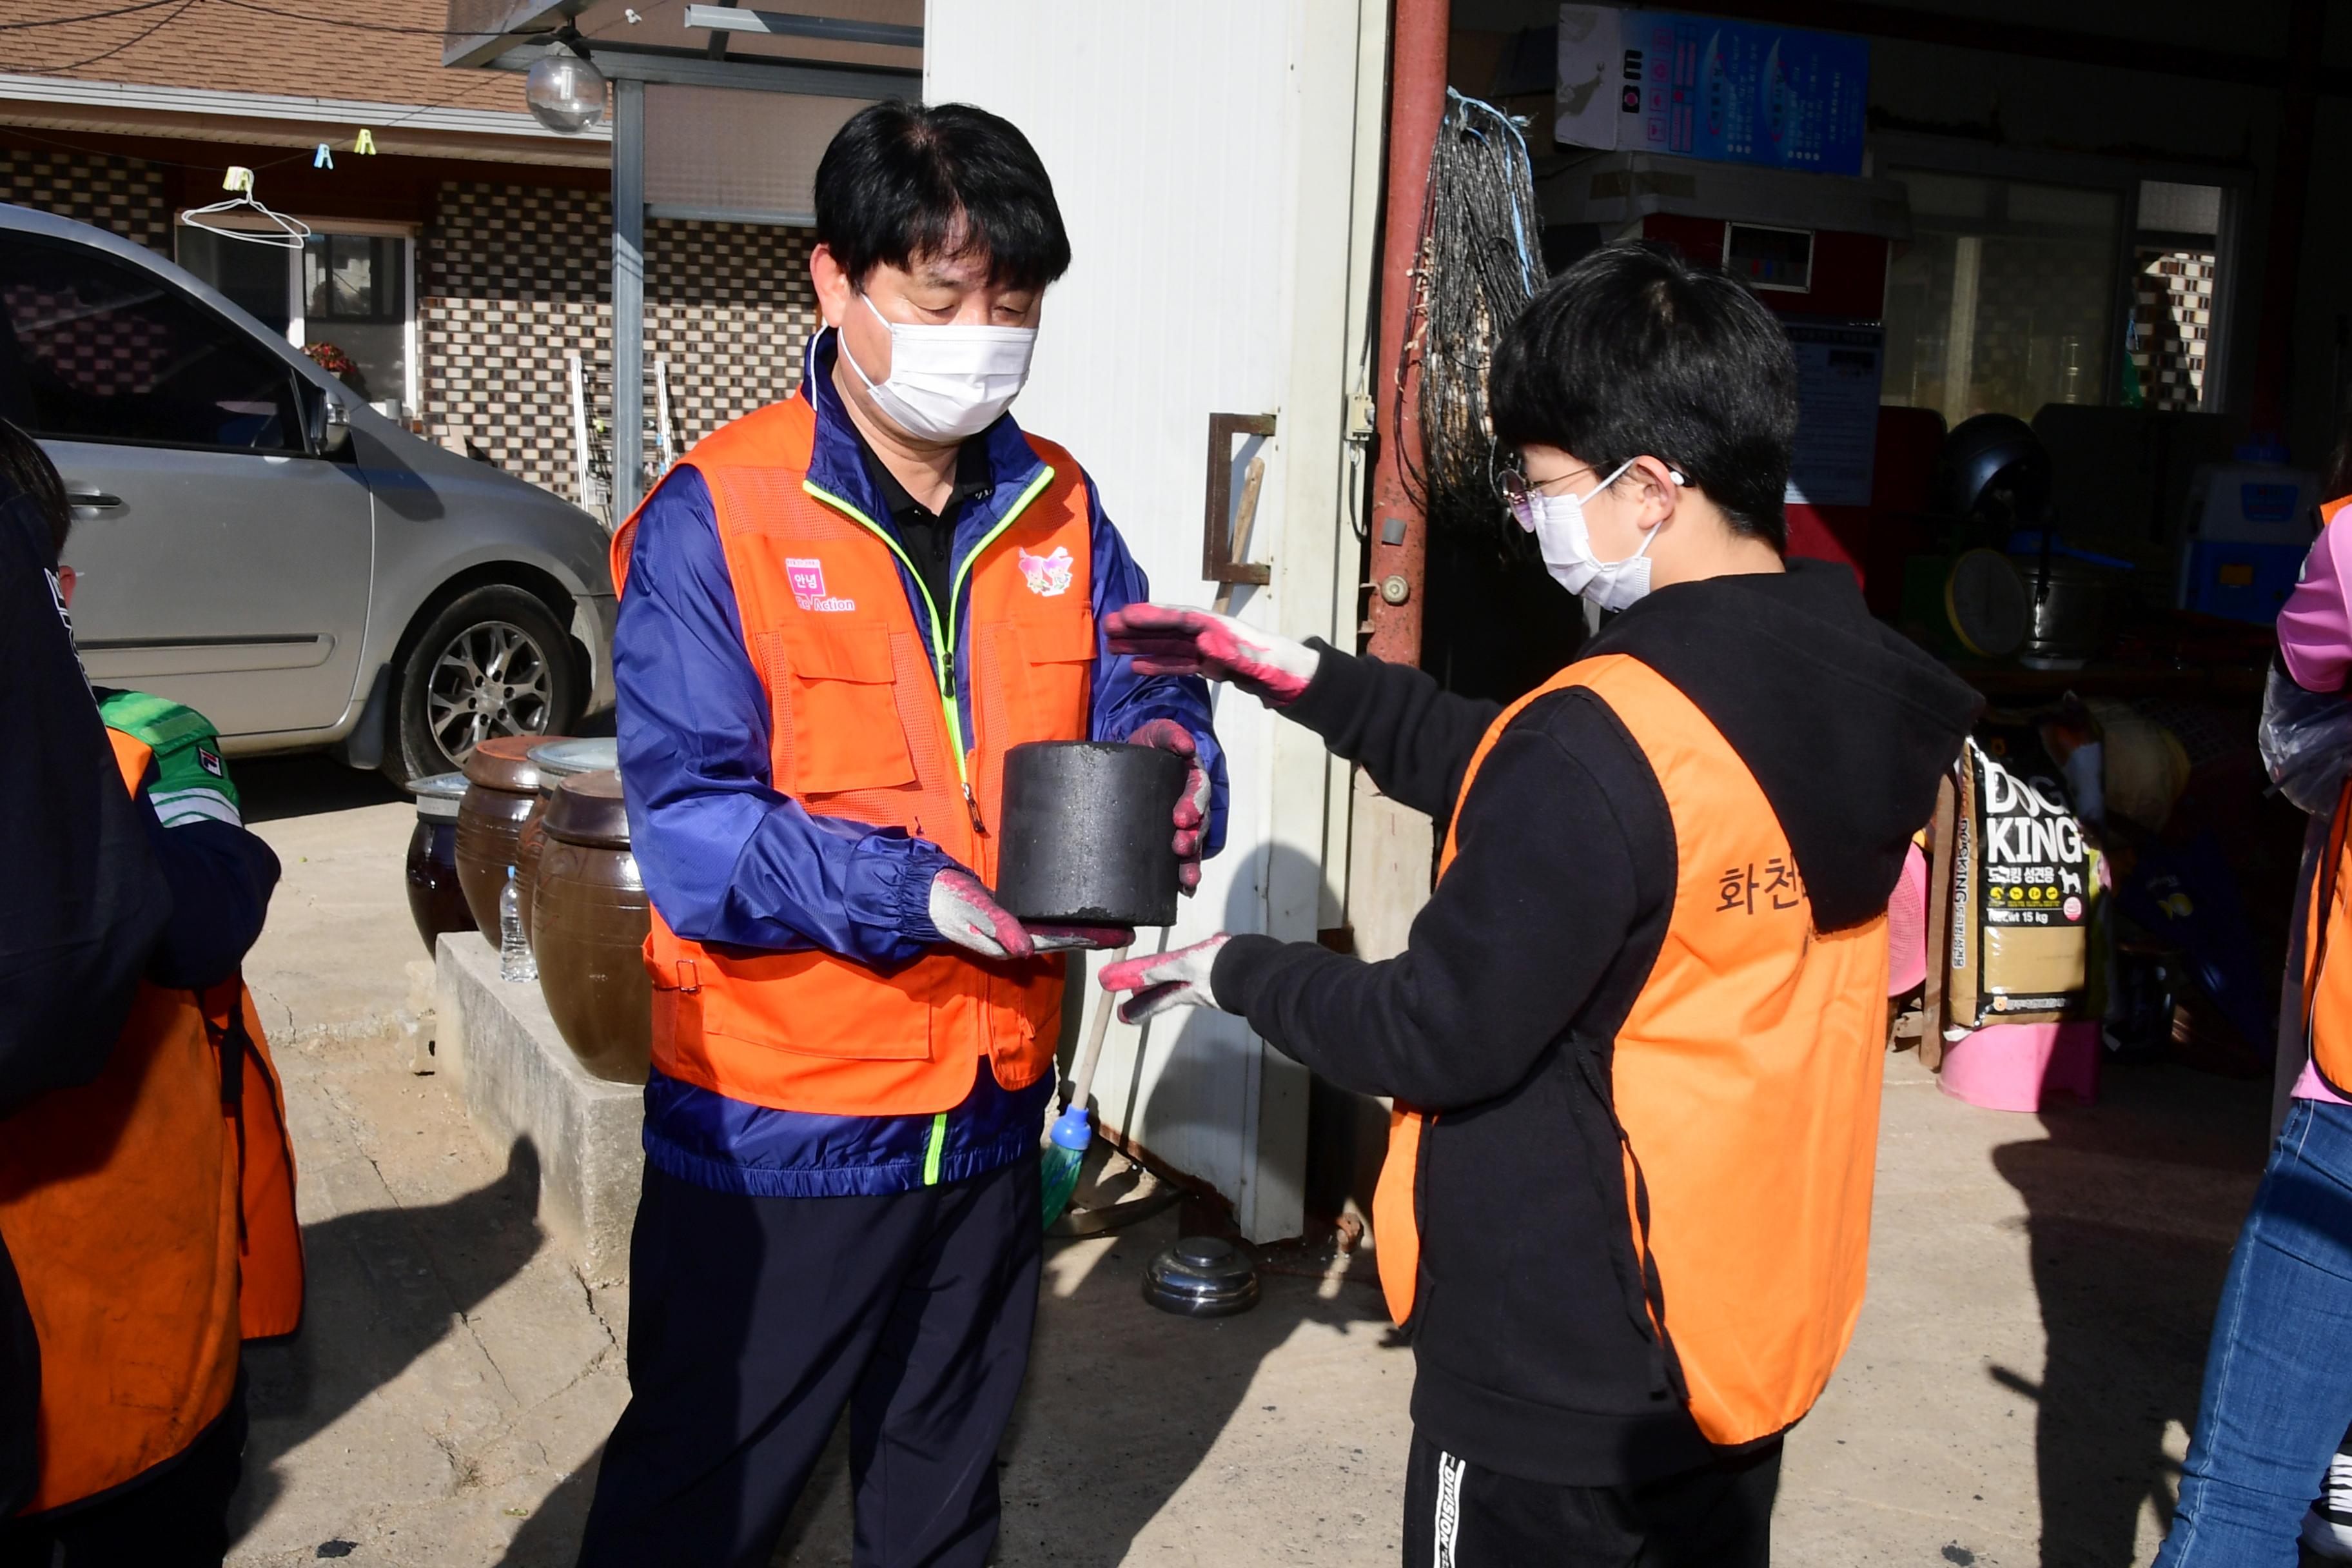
<point>1203,156</point>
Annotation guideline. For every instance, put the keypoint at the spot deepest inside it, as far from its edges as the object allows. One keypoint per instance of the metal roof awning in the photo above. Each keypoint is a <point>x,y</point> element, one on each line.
<point>719,157</point>
<point>855,49</point>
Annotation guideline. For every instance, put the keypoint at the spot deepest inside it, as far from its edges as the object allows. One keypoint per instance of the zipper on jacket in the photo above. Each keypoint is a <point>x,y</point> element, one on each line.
<point>943,637</point>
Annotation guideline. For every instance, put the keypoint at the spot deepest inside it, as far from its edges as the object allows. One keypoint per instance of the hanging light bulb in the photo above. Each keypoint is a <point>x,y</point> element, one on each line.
<point>565,92</point>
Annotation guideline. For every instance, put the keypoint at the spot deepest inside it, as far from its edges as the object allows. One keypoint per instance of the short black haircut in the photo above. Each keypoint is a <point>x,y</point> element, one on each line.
<point>902,181</point>
<point>26,471</point>
<point>1634,350</point>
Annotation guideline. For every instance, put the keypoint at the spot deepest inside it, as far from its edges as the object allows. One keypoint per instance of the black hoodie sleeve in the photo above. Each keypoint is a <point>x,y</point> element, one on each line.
<point>1563,847</point>
<point>1415,738</point>
<point>82,903</point>
<point>221,877</point>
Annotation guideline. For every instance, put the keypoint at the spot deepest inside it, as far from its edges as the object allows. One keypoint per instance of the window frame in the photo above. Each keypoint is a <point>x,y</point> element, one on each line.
<point>412,390</point>
<point>1892,150</point>
<point>305,392</point>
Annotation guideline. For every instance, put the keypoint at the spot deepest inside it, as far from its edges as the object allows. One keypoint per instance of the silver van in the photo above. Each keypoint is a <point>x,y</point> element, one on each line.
<point>253,539</point>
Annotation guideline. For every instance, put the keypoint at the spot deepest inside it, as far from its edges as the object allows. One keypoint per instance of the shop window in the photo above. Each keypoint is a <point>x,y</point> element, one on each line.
<point>2002,302</point>
<point>2176,267</point>
<point>344,297</point>
<point>103,351</point>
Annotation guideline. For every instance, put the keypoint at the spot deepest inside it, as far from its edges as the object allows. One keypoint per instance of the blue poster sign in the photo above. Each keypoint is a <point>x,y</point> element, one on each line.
<point>1742,92</point>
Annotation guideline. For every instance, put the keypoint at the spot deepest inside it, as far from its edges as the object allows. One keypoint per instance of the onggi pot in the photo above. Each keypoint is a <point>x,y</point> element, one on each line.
<point>590,917</point>
<point>556,760</point>
<point>435,901</point>
<point>503,785</point>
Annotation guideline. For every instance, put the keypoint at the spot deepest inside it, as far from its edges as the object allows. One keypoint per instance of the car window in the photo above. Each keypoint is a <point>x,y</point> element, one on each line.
<point>93,348</point>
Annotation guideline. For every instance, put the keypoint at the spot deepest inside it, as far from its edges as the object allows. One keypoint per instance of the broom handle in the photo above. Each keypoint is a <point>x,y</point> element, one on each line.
<point>1082,1071</point>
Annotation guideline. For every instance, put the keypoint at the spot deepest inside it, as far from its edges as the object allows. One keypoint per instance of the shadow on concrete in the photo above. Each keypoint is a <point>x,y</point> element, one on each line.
<point>2133,1205</point>
<point>1122,1404</point>
<point>270,788</point>
<point>384,1287</point>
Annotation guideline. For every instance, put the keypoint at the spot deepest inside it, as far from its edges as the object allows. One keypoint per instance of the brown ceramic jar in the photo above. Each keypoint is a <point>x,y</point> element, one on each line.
<point>556,760</point>
<point>501,788</point>
<point>435,901</point>
<point>590,918</point>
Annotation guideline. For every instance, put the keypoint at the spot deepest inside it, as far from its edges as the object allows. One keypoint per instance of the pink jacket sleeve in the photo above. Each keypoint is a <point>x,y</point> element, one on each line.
<point>2314,628</point>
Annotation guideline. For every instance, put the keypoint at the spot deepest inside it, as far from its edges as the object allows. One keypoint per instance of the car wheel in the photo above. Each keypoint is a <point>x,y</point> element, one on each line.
<point>491,662</point>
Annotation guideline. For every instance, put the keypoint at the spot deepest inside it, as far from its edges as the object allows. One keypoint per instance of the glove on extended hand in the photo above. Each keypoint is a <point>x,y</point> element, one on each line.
<point>1178,979</point>
<point>969,916</point>
<point>1169,639</point>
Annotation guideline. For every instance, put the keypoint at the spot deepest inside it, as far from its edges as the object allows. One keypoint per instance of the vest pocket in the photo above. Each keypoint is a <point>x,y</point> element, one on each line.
<point>1057,657</point>
<point>843,718</point>
<point>814,1005</point>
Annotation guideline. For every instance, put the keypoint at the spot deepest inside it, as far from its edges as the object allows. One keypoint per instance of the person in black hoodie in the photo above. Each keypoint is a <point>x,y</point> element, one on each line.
<point>1635,1041</point>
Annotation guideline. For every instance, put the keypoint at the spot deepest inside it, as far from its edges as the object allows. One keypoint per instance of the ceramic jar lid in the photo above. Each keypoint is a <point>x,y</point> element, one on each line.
<point>586,809</point>
<point>437,796</point>
<point>503,762</point>
<point>562,759</point>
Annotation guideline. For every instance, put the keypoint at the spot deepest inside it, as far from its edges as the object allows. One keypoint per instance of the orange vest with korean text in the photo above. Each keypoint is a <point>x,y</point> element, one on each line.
<point>863,725</point>
<point>151,1216</point>
<point>1745,1082</point>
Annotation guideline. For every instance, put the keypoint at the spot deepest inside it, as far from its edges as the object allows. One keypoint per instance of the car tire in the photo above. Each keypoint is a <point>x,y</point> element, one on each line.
<point>492,661</point>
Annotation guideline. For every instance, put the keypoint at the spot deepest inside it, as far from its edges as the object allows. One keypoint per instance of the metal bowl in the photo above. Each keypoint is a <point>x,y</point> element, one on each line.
<point>1201,1276</point>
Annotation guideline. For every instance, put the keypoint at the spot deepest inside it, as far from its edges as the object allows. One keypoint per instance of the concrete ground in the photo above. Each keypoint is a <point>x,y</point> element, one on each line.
<point>2019,1389</point>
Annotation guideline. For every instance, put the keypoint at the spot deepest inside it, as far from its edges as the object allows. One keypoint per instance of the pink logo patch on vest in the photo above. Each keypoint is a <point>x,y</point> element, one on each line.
<point>808,578</point>
<point>1048,577</point>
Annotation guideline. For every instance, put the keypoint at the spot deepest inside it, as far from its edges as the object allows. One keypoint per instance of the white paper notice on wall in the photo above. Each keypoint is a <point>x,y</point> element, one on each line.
<point>1592,58</point>
<point>1838,369</point>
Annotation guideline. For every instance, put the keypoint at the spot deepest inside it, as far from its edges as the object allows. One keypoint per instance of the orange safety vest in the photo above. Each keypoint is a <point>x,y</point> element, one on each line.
<point>151,1216</point>
<point>863,724</point>
<point>2327,987</point>
<point>1745,1081</point>
<point>2327,991</point>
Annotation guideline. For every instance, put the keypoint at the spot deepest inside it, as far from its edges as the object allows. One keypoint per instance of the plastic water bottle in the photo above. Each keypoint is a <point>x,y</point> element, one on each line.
<point>515,962</point>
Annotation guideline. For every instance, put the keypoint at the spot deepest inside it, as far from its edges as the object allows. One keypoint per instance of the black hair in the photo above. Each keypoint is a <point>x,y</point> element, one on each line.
<point>902,181</point>
<point>26,471</point>
<point>1635,351</point>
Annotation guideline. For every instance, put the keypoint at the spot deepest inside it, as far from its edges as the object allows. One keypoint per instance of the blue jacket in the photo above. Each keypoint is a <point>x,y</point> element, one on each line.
<point>726,858</point>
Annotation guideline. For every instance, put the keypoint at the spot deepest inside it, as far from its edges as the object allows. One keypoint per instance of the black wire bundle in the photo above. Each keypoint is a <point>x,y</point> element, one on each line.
<point>1481,261</point>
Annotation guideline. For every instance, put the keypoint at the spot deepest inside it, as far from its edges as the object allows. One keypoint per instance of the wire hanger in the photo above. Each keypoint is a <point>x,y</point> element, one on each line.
<point>282,233</point>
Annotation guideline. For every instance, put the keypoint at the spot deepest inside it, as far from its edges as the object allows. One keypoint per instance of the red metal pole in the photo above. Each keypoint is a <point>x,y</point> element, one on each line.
<point>1400,537</point>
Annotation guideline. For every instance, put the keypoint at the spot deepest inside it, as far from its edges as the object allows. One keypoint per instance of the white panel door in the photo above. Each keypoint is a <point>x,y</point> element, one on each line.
<point>1205,157</point>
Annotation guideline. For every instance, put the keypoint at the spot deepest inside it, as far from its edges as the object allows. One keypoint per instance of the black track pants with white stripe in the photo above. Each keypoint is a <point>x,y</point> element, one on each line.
<point>1457,1515</point>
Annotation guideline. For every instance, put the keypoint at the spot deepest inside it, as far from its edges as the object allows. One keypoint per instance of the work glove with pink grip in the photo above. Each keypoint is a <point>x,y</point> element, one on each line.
<point>1191,822</point>
<point>1178,979</point>
<point>969,916</point>
<point>1170,640</point>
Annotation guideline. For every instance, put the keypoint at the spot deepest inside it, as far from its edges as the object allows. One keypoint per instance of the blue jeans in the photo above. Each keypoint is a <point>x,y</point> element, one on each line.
<point>2278,1376</point>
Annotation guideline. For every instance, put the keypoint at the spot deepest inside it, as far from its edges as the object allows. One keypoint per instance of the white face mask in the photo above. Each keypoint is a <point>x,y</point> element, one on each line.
<point>1558,523</point>
<point>948,383</point>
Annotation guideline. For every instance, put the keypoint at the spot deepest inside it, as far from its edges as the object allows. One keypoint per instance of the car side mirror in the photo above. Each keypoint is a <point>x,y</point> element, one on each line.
<point>328,423</point>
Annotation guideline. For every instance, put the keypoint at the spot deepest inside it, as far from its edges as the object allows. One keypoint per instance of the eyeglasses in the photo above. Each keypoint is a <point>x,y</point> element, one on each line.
<point>1520,492</point>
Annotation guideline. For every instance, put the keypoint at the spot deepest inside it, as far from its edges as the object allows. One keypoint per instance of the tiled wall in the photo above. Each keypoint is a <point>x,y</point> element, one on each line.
<point>511,277</point>
<point>2175,313</point>
<point>122,195</point>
